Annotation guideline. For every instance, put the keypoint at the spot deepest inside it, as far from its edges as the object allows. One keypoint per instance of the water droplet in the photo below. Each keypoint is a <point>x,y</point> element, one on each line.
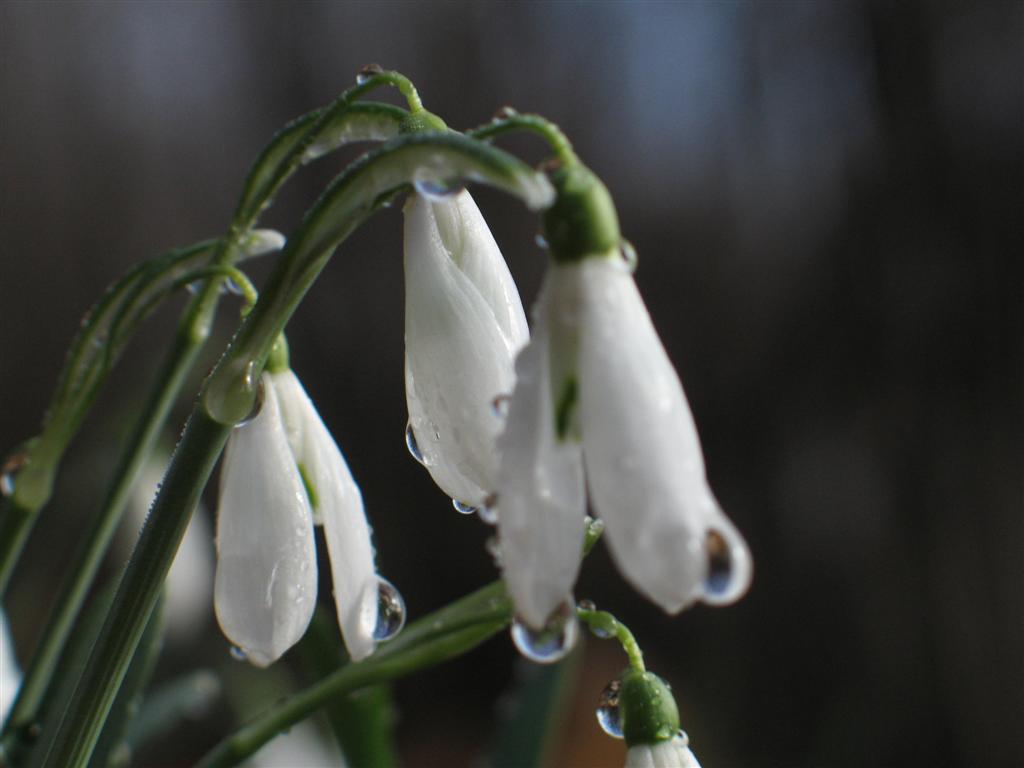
<point>238,654</point>
<point>554,641</point>
<point>493,548</point>
<point>390,611</point>
<point>368,71</point>
<point>726,578</point>
<point>194,287</point>
<point>412,445</point>
<point>628,253</point>
<point>505,112</point>
<point>541,241</point>
<point>9,471</point>
<point>488,513</point>
<point>257,404</point>
<point>609,715</point>
<point>682,737</point>
<point>499,405</point>
<point>436,191</point>
<point>463,508</point>
<point>233,287</point>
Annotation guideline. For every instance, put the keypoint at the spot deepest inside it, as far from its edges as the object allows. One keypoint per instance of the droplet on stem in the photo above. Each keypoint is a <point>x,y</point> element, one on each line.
<point>554,641</point>
<point>436,191</point>
<point>9,472</point>
<point>368,71</point>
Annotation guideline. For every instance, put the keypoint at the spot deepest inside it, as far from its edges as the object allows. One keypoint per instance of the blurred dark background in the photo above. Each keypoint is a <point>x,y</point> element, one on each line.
<point>826,198</point>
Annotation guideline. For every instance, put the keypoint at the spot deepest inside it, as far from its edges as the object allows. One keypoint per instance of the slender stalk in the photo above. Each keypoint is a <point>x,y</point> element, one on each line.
<point>39,673</point>
<point>193,461</point>
<point>609,626</point>
<point>510,120</point>
<point>442,635</point>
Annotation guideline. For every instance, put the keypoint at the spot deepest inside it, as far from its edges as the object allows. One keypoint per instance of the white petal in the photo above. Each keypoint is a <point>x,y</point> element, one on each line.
<point>540,490</point>
<point>265,585</point>
<point>339,505</point>
<point>10,675</point>
<point>644,465</point>
<point>464,324</point>
<point>665,754</point>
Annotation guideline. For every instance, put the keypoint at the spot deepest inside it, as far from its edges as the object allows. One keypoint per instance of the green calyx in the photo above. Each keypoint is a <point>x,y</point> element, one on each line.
<point>648,709</point>
<point>421,121</point>
<point>582,222</point>
<point>278,360</point>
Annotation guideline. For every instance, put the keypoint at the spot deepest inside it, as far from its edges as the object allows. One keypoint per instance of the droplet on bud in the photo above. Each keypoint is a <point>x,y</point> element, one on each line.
<point>554,641</point>
<point>463,508</point>
<point>609,714</point>
<point>368,71</point>
<point>390,611</point>
<point>412,445</point>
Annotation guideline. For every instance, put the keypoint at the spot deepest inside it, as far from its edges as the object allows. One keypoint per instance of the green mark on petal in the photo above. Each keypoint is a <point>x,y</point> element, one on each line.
<point>314,501</point>
<point>564,409</point>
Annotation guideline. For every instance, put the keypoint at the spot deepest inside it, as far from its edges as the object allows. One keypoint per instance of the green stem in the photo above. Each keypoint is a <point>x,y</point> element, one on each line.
<point>510,121</point>
<point>609,626</point>
<point>442,635</point>
<point>38,675</point>
<point>140,587</point>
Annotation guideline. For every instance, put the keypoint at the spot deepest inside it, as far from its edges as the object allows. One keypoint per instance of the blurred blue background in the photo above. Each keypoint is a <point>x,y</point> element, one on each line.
<point>826,198</point>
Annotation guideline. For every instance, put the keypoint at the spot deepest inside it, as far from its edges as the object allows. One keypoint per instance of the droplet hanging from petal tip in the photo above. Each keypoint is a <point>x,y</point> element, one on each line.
<point>390,611</point>
<point>554,641</point>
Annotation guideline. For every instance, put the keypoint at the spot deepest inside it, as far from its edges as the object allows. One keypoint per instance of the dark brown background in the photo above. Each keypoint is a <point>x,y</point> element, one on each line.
<point>826,200</point>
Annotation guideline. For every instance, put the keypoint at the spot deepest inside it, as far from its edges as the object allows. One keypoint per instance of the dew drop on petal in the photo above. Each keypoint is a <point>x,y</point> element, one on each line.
<point>368,71</point>
<point>488,513</point>
<point>238,654</point>
<point>499,405</point>
<point>493,548</point>
<point>629,257</point>
<point>463,508</point>
<point>412,445</point>
<point>390,611</point>
<point>609,714</point>
<point>554,641</point>
<point>724,581</point>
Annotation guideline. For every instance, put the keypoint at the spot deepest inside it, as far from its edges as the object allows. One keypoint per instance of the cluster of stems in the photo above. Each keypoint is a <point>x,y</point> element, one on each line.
<point>67,718</point>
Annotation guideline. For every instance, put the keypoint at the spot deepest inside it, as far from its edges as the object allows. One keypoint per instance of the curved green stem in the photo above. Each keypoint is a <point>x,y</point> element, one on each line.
<point>510,121</point>
<point>607,625</point>
<point>442,635</point>
<point>344,123</point>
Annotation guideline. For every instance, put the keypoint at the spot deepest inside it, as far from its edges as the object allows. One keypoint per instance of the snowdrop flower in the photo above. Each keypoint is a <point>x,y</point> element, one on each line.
<point>674,753</point>
<point>596,397</point>
<point>279,469</point>
<point>464,324</point>
<point>10,675</point>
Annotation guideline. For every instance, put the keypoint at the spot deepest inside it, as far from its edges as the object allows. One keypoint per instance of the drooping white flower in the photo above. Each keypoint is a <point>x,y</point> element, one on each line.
<point>674,753</point>
<point>266,581</point>
<point>596,390</point>
<point>464,324</point>
<point>10,675</point>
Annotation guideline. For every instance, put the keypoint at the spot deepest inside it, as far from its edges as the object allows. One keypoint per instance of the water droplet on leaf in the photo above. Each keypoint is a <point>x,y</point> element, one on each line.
<point>390,611</point>
<point>609,714</point>
<point>554,641</point>
<point>9,472</point>
<point>257,405</point>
